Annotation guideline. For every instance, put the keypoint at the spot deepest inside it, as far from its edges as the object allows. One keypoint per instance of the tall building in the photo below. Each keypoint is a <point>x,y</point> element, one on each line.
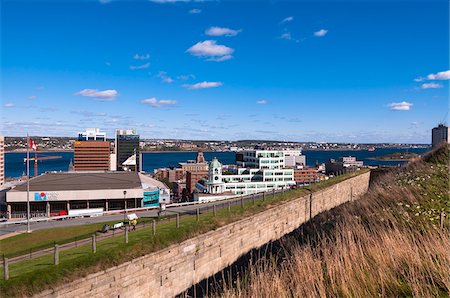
<point>91,151</point>
<point>439,135</point>
<point>2,160</point>
<point>91,156</point>
<point>92,134</point>
<point>127,150</point>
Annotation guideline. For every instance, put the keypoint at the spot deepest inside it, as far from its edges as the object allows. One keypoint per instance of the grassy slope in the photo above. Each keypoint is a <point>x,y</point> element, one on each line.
<point>387,244</point>
<point>32,276</point>
<point>40,239</point>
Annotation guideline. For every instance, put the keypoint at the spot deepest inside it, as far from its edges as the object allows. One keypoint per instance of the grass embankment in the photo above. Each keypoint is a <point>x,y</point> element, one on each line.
<point>22,244</point>
<point>32,276</point>
<point>387,244</point>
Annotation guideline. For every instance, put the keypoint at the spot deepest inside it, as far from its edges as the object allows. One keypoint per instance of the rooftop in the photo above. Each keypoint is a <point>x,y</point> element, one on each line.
<point>82,181</point>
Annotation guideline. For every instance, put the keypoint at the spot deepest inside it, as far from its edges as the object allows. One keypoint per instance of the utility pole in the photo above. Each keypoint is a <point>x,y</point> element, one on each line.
<point>28,184</point>
<point>125,204</point>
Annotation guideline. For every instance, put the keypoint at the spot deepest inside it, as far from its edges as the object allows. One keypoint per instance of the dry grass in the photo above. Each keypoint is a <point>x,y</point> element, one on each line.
<point>387,244</point>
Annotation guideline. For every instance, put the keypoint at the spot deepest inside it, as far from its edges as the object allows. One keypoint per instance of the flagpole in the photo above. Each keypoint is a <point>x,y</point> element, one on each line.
<point>28,184</point>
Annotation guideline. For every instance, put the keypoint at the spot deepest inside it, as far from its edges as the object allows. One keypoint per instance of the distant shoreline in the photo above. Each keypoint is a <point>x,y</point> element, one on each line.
<point>209,151</point>
<point>32,152</point>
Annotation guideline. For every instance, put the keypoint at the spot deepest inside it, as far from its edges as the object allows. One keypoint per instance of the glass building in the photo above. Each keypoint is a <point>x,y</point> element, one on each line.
<point>127,148</point>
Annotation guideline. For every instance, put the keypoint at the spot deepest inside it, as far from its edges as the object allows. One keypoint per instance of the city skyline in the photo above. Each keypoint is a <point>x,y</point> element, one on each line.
<point>358,72</point>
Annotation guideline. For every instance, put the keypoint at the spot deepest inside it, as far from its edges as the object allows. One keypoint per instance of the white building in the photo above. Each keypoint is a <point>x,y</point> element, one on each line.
<point>92,134</point>
<point>350,161</point>
<point>55,194</point>
<point>294,157</point>
<point>258,171</point>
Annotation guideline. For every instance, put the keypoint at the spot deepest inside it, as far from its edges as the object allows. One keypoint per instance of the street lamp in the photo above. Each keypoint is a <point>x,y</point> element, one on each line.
<point>125,202</point>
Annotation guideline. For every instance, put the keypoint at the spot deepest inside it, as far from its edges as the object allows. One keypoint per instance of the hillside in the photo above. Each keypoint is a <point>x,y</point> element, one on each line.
<point>388,243</point>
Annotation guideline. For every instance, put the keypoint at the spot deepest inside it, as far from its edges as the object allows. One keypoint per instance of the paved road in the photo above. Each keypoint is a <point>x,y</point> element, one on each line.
<point>184,210</point>
<point>18,228</point>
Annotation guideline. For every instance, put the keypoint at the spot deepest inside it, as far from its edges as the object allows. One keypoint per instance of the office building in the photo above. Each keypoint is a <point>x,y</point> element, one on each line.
<point>294,158</point>
<point>54,194</point>
<point>91,156</point>
<point>126,146</point>
<point>2,160</point>
<point>258,171</point>
<point>91,151</point>
<point>439,135</point>
<point>92,134</point>
<point>194,177</point>
<point>306,175</point>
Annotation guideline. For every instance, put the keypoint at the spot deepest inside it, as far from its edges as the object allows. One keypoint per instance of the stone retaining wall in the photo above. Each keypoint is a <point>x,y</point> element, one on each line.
<point>172,270</point>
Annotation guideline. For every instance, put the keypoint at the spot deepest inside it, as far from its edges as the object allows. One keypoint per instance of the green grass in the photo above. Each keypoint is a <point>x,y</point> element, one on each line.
<point>32,276</point>
<point>41,239</point>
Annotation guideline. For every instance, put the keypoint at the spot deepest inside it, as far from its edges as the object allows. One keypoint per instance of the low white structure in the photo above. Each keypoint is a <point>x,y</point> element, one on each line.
<point>57,194</point>
<point>92,134</point>
<point>350,161</point>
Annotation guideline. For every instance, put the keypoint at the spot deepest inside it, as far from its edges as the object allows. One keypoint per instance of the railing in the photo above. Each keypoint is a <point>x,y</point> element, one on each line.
<point>170,215</point>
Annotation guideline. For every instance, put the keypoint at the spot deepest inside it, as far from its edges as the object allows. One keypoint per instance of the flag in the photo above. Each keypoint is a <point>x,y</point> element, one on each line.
<point>32,145</point>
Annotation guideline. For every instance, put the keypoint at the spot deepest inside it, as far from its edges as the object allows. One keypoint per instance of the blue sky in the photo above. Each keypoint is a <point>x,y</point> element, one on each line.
<point>337,71</point>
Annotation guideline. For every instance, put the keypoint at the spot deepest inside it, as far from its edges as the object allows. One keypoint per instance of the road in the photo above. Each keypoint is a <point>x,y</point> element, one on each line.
<point>188,209</point>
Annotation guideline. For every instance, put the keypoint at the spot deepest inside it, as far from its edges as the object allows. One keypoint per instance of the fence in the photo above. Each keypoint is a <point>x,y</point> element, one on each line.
<point>93,239</point>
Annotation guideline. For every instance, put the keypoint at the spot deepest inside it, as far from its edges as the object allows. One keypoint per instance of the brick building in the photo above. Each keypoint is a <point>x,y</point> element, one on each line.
<point>306,175</point>
<point>193,177</point>
<point>172,175</point>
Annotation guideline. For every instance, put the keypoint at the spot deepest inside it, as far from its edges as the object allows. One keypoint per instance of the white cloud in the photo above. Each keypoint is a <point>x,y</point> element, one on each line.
<point>288,19</point>
<point>9,105</point>
<point>203,85</point>
<point>320,33</point>
<point>219,59</point>
<point>262,102</point>
<point>164,77</point>
<point>443,75</point>
<point>104,95</point>
<point>431,86</point>
<point>221,31</point>
<point>195,11</point>
<point>288,36</point>
<point>440,76</point>
<point>143,66</point>
<point>141,57</point>
<point>210,48</point>
<point>32,97</point>
<point>153,102</point>
<point>400,106</point>
<point>186,77</point>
